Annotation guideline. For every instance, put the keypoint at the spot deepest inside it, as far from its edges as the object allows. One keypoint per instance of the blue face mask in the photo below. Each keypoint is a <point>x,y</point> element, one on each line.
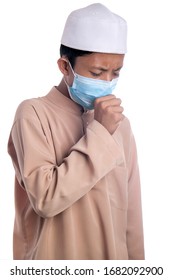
<point>85,90</point>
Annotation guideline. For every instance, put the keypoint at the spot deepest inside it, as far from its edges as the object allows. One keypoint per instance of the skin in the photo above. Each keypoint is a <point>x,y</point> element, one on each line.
<point>107,110</point>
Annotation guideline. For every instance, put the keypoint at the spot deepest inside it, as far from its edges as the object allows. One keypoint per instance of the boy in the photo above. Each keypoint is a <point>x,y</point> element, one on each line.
<point>77,188</point>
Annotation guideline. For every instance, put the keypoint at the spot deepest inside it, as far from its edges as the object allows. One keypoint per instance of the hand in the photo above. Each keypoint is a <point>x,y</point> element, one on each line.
<point>108,112</point>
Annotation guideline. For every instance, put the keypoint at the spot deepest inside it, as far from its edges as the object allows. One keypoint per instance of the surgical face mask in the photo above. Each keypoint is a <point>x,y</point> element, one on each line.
<point>85,90</point>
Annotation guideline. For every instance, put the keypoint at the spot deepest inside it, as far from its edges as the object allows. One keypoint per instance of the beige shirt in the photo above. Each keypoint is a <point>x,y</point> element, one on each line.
<point>77,188</point>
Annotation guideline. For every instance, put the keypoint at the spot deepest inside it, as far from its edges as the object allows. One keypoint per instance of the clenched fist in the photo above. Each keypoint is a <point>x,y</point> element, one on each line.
<point>108,112</point>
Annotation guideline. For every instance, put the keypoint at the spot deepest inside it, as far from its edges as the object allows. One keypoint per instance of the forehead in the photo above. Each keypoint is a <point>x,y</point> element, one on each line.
<point>100,60</point>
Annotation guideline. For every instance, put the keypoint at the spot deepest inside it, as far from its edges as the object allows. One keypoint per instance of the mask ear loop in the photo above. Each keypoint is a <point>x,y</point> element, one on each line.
<point>71,70</point>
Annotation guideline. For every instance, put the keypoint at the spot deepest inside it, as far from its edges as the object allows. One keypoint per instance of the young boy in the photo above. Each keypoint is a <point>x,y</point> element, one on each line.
<point>77,187</point>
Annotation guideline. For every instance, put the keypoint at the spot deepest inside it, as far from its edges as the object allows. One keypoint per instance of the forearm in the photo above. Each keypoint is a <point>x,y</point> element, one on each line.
<point>52,188</point>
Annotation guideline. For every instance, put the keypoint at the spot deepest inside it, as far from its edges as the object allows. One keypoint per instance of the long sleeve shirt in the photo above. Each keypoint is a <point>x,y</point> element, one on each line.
<point>77,187</point>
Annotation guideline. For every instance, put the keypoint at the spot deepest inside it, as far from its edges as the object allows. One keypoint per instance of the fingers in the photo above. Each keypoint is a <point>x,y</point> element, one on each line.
<point>109,100</point>
<point>108,111</point>
<point>104,103</point>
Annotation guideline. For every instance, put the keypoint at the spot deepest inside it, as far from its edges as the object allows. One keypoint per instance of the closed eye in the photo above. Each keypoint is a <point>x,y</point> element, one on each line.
<point>95,74</point>
<point>116,74</point>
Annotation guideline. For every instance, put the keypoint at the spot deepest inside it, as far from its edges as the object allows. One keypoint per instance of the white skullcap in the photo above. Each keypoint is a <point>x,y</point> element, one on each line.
<point>95,28</point>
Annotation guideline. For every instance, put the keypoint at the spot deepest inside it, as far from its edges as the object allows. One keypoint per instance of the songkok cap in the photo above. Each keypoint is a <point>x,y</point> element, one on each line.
<point>95,28</point>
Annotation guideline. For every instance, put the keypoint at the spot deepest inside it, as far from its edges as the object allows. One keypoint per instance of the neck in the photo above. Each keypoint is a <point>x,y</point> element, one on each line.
<point>63,88</point>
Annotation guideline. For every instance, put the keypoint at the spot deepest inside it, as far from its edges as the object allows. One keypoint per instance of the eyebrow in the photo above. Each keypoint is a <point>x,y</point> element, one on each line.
<point>105,69</point>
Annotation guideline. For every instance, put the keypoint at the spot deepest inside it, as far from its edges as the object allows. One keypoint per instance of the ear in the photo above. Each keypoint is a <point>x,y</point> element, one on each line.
<point>63,66</point>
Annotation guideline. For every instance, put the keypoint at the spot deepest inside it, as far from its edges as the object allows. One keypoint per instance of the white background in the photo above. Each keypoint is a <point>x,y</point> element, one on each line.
<point>30,33</point>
